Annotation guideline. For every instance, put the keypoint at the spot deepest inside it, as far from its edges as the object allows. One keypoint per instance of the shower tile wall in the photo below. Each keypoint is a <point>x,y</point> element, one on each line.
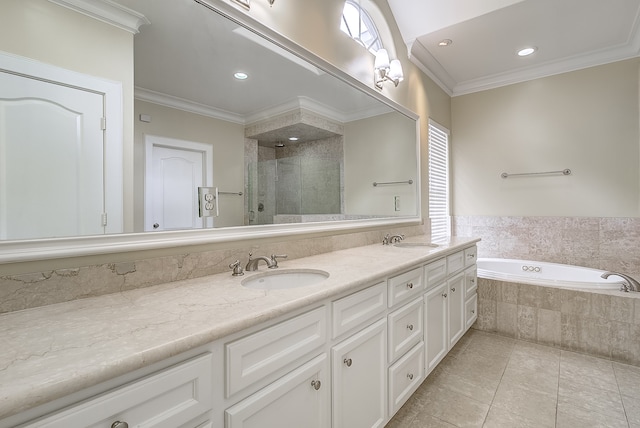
<point>608,243</point>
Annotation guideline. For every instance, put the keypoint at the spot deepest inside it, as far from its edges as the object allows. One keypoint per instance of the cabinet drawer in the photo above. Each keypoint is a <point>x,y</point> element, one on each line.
<point>405,328</point>
<point>299,399</point>
<point>470,256</point>
<point>470,281</point>
<point>355,309</point>
<point>405,286</point>
<point>435,272</point>
<point>405,376</point>
<point>261,354</point>
<point>471,311</point>
<point>169,398</point>
<point>455,262</point>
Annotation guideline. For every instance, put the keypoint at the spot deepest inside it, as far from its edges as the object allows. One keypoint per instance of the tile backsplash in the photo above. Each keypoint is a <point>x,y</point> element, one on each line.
<point>35,289</point>
<point>608,243</point>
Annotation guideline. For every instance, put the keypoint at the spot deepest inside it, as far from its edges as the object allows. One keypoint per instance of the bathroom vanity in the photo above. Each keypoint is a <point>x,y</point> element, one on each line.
<point>211,352</point>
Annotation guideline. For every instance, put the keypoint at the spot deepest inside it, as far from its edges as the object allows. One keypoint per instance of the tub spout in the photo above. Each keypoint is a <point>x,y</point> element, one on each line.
<point>630,284</point>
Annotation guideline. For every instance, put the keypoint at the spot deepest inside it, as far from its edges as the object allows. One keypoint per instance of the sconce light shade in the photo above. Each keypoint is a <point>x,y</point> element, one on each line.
<point>385,70</point>
<point>382,59</point>
<point>395,72</point>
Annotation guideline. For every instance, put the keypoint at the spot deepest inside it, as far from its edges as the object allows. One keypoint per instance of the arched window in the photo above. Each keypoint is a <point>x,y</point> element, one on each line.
<point>357,23</point>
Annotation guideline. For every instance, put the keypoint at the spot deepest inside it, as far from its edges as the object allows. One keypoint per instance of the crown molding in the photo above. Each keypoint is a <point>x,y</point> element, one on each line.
<point>107,11</point>
<point>147,95</point>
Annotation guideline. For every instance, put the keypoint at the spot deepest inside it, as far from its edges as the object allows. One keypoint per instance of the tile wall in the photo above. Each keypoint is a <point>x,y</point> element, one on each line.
<point>608,243</point>
<point>604,325</point>
<point>43,288</point>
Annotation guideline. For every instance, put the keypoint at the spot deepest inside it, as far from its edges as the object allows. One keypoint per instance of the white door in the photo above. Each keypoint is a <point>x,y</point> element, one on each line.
<point>456,308</point>
<point>360,379</point>
<point>175,170</point>
<point>436,325</point>
<point>51,159</point>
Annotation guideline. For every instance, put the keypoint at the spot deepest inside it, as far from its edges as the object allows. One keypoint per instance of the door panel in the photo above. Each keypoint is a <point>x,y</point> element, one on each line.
<point>51,159</point>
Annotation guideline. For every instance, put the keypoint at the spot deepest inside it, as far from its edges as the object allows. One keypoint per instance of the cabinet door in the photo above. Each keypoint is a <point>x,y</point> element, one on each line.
<point>456,308</point>
<point>168,398</point>
<point>435,316</point>
<point>360,379</point>
<point>299,399</point>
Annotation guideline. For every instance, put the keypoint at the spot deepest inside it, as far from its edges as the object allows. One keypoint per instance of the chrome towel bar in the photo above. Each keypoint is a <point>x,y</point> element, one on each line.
<point>375,183</point>
<point>566,171</point>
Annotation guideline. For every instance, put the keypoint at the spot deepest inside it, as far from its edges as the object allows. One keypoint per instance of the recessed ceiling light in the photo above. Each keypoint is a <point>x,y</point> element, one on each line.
<point>293,138</point>
<point>279,144</point>
<point>240,75</point>
<point>445,42</point>
<point>527,51</point>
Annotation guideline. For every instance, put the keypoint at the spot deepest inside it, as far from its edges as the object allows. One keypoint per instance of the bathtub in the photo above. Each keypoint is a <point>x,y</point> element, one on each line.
<point>545,274</point>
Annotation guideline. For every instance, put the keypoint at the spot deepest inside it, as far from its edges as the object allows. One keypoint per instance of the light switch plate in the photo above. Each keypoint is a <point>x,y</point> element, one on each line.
<point>208,201</point>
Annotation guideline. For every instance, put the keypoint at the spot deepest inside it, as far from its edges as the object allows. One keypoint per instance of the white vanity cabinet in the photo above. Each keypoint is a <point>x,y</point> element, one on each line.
<point>450,303</point>
<point>299,399</point>
<point>170,398</point>
<point>359,361</point>
<point>359,378</point>
<point>348,361</point>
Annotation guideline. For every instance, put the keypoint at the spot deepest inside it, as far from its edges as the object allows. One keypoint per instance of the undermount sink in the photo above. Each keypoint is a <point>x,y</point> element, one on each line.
<point>415,244</point>
<point>289,278</point>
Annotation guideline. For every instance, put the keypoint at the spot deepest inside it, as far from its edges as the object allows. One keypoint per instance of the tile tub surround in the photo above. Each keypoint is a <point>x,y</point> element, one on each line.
<point>36,289</point>
<point>56,350</point>
<point>607,243</point>
<point>600,323</point>
<point>522,385</point>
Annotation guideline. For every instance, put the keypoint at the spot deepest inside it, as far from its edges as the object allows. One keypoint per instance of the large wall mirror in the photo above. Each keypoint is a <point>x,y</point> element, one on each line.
<point>289,144</point>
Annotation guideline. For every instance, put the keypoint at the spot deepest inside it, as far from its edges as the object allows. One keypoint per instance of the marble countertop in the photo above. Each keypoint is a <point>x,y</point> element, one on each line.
<point>56,350</point>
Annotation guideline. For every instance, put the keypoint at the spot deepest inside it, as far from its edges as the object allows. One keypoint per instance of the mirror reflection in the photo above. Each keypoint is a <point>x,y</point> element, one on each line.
<point>229,130</point>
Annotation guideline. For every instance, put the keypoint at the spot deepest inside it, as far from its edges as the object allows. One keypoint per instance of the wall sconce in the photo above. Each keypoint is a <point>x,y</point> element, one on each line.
<point>385,70</point>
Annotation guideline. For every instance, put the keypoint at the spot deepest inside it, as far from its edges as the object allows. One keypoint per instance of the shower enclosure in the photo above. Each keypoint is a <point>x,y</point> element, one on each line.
<point>286,189</point>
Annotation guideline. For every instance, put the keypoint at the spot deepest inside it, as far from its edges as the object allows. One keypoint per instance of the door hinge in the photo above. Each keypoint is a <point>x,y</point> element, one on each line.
<point>104,219</point>
<point>103,123</point>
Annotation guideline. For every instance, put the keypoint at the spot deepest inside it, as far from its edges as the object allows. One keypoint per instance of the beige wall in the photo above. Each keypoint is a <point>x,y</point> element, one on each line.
<point>585,120</point>
<point>372,154</point>
<point>226,138</point>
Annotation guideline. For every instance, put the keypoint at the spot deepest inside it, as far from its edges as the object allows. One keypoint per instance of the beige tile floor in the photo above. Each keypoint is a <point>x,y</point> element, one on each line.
<point>493,381</point>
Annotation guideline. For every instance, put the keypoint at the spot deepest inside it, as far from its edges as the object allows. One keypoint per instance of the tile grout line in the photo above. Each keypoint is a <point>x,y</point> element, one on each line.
<point>615,375</point>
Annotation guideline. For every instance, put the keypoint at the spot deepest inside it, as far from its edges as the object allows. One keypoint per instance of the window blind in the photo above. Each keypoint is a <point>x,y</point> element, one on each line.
<point>439,211</point>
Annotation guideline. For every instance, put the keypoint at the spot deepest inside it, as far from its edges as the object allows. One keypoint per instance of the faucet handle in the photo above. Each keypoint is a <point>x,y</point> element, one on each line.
<point>274,259</point>
<point>237,269</point>
<point>385,240</point>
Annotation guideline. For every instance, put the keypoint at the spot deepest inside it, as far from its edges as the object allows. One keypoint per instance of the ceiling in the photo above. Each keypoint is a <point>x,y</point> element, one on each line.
<point>568,34</point>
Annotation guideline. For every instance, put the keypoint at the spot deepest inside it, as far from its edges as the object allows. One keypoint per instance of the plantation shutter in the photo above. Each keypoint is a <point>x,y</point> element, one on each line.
<point>439,211</point>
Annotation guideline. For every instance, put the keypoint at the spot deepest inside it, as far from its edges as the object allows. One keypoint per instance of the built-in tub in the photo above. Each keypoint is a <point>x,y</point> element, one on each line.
<point>545,274</point>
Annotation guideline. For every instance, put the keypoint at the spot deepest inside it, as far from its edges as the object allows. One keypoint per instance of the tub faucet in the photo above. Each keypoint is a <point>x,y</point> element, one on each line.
<point>629,284</point>
<point>388,239</point>
<point>252,264</point>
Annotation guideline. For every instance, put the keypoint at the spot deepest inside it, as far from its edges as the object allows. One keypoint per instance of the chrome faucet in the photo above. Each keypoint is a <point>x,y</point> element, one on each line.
<point>392,239</point>
<point>629,284</point>
<point>272,262</point>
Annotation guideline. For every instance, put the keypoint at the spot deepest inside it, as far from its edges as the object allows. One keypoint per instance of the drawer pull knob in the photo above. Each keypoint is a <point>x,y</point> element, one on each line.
<point>410,285</point>
<point>410,327</point>
<point>473,280</point>
<point>410,376</point>
<point>444,295</point>
<point>119,424</point>
<point>348,362</point>
<point>453,289</point>
<point>316,384</point>
<point>473,311</point>
<point>471,256</point>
